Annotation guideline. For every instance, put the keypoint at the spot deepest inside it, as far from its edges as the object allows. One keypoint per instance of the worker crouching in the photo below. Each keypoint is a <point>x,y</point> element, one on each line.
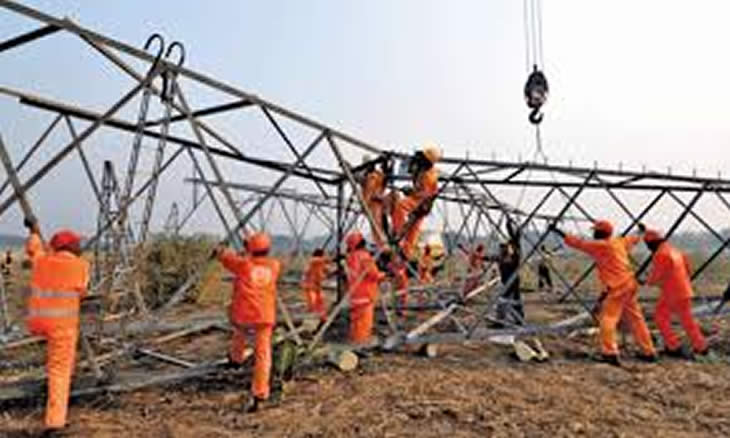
<point>410,211</point>
<point>253,309</point>
<point>670,272</point>
<point>363,277</point>
<point>58,282</point>
<point>620,299</point>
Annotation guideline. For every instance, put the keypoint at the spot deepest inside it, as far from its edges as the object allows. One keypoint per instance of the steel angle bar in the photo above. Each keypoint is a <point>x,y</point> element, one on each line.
<point>56,159</point>
<point>719,250</point>
<point>28,37</point>
<point>84,160</point>
<point>674,226</point>
<point>123,206</point>
<point>198,202</point>
<point>176,91</point>
<point>291,147</point>
<point>697,217</point>
<point>205,112</point>
<point>33,149</point>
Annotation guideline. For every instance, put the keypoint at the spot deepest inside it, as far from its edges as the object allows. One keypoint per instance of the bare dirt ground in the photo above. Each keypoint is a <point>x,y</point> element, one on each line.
<point>474,390</point>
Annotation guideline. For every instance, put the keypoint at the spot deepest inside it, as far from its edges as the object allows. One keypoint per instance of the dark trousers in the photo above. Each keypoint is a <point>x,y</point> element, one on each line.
<point>544,277</point>
<point>512,306</point>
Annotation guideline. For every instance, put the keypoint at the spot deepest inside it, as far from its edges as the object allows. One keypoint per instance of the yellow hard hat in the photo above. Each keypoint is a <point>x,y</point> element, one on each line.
<point>432,153</point>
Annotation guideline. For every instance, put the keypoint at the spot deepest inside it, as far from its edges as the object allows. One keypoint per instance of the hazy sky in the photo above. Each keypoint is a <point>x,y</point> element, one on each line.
<point>638,82</point>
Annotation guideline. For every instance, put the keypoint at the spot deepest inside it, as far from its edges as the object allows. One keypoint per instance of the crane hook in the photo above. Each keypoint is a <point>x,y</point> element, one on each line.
<point>536,94</point>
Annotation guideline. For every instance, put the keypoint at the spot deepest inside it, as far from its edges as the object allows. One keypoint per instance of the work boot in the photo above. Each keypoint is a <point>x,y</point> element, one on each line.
<point>253,405</point>
<point>610,359</point>
<point>705,356</point>
<point>232,364</point>
<point>648,358</point>
<point>676,353</point>
<point>54,432</point>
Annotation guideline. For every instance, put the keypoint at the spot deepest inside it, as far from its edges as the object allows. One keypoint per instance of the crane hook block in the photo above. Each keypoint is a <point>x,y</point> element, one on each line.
<point>536,93</point>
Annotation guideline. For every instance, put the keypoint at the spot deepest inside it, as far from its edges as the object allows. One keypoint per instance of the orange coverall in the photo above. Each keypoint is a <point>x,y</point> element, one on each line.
<point>253,312</point>
<point>373,192</point>
<point>614,271</point>
<point>399,271</point>
<point>34,247</point>
<point>426,186</point>
<point>362,276</point>
<point>473,273</point>
<point>312,285</point>
<point>57,284</point>
<point>670,271</point>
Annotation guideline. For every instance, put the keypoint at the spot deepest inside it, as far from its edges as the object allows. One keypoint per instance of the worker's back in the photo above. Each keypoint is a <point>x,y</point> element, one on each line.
<point>611,256</point>
<point>57,283</point>
<point>254,290</point>
<point>362,274</point>
<point>671,271</point>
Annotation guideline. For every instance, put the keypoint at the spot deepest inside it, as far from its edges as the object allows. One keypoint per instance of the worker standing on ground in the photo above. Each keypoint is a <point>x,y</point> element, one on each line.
<point>620,299</point>
<point>58,282</point>
<point>475,268</point>
<point>670,271</point>
<point>373,192</point>
<point>253,308</point>
<point>510,307</point>
<point>312,283</point>
<point>363,277</point>
<point>417,204</point>
<point>34,244</point>
<point>544,278</point>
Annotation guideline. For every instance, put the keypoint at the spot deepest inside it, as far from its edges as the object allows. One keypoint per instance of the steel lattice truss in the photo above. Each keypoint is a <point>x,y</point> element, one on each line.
<point>316,184</point>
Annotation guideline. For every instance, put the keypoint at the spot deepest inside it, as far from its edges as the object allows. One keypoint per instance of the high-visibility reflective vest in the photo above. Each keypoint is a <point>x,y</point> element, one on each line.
<point>58,282</point>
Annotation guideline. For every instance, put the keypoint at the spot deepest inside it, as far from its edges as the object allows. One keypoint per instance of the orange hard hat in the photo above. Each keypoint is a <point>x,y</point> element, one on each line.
<point>652,236</point>
<point>353,240</point>
<point>603,225</point>
<point>258,242</point>
<point>65,239</point>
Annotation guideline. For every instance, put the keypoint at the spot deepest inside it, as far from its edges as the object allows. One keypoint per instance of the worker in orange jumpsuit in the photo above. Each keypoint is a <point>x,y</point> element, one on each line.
<point>620,299</point>
<point>363,277</point>
<point>312,283</point>
<point>417,204</point>
<point>670,271</point>
<point>253,308</point>
<point>58,282</point>
<point>475,268</point>
<point>34,244</point>
<point>373,193</point>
